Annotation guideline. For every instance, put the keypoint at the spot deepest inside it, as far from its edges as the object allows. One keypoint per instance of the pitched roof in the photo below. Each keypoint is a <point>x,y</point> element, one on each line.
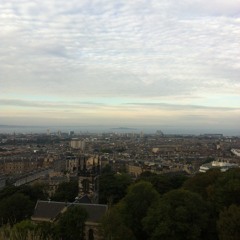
<point>49,210</point>
<point>84,199</point>
<point>95,211</point>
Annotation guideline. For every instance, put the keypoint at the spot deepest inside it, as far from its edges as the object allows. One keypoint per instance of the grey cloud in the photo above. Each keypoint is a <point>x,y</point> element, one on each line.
<point>136,48</point>
<point>198,8</point>
<point>183,107</point>
<point>45,104</point>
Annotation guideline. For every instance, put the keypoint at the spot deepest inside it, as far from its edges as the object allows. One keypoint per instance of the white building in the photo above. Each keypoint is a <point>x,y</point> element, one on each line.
<point>223,166</point>
<point>236,152</point>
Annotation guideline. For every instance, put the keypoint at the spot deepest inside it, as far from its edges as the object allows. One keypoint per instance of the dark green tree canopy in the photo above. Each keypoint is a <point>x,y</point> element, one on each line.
<point>201,182</point>
<point>15,208</point>
<point>163,182</point>
<point>226,190</point>
<point>179,214</point>
<point>135,205</point>
<point>66,191</point>
<point>113,187</point>
<point>229,223</point>
<point>71,223</point>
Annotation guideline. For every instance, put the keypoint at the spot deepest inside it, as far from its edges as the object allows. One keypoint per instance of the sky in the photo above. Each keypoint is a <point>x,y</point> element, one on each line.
<point>157,63</point>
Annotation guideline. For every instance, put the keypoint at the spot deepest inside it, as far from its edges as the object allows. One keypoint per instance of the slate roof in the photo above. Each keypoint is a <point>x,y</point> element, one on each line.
<point>49,210</point>
<point>84,199</point>
<point>95,211</point>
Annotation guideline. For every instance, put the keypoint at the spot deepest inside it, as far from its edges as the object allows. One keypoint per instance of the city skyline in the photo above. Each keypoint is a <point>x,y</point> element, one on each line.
<point>120,63</point>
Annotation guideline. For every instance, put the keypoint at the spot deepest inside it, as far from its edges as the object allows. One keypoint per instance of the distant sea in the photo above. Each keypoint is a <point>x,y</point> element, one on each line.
<point>10,129</point>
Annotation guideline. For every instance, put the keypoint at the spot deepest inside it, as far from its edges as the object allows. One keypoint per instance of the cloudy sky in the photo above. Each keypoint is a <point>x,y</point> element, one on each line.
<point>120,63</point>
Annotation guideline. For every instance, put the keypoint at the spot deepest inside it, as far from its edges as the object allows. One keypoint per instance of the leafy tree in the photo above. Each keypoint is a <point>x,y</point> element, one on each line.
<point>24,230</point>
<point>71,223</point>
<point>66,191</point>
<point>113,226</point>
<point>15,208</point>
<point>27,230</point>
<point>113,187</point>
<point>46,231</point>
<point>135,204</point>
<point>107,170</point>
<point>178,215</point>
<point>5,232</point>
<point>229,223</point>
<point>8,191</point>
<point>34,192</point>
<point>226,190</point>
<point>201,182</point>
<point>165,182</point>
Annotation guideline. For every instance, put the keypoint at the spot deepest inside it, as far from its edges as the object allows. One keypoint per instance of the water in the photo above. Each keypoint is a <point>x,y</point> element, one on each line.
<point>10,129</point>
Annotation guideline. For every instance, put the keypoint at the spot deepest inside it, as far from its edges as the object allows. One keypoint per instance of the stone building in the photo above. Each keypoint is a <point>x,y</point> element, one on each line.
<point>48,211</point>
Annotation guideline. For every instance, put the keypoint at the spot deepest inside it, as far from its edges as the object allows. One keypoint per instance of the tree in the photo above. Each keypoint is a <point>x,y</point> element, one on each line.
<point>226,190</point>
<point>201,182</point>
<point>71,223</point>
<point>15,208</point>
<point>135,205</point>
<point>113,187</point>
<point>27,230</point>
<point>66,191</point>
<point>113,226</point>
<point>229,223</point>
<point>46,230</point>
<point>165,182</point>
<point>34,192</point>
<point>178,215</point>
<point>8,191</point>
<point>24,230</point>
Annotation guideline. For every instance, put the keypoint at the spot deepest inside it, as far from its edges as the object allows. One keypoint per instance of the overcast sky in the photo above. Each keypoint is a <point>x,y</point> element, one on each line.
<point>120,62</point>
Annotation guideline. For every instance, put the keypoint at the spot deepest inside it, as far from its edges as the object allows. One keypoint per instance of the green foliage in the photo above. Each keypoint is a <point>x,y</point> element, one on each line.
<point>8,191</point>
<point>107,170</point>
<point>34,192</point>
<point>135,205</point>
<point>15,208</point>
<point>229,223</point>
<point>5,232</point>
<point>71,224</point>
<point>113,226</point>
<point>179,214</point>
<point>164,182</point>
<point>46,230</point>
<point>113,187</point>
<point>24,230</point>
<point>226,190</point>
<point>27,230</point>
<point>124,220</point>
<point>66,191</point>
<point>201,182</point>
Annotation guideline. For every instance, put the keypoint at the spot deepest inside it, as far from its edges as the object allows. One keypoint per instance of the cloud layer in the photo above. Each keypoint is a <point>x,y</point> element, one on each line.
<point>101,51</point>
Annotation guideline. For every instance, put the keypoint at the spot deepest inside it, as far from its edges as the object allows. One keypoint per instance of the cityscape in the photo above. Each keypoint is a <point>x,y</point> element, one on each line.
<point>52,159</point>
<point>119,120</point>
